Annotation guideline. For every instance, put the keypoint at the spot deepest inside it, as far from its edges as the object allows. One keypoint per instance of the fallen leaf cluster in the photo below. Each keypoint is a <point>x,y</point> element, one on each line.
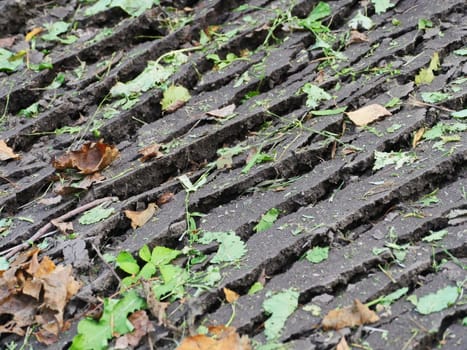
<point>91,158</point>
<point>218,338</point>
<point>35,291</point>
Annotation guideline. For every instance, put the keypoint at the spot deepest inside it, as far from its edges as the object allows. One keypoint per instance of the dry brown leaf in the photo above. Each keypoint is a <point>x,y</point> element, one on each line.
<point>175,105</point>
<point>342,345</point>
<point>222,112</point>
<point>368,114</point>
<point>6,152</point>
<point>156,307</point>
<point>35,291</point>
<point>165,198</point>
<point>151,151</point>
<point>417,137</point>
<point>31,34</point>
<point>139,218</point>
<point>231,296</point>
<point>320,77</point>
<point>7,42</point>
<point>357,37</point>
<point>142,326</point>
<point>356,315</point>
<point>92,157</point>
<point>63,227</point>
<point>51,200</point>
<point>218,338</point>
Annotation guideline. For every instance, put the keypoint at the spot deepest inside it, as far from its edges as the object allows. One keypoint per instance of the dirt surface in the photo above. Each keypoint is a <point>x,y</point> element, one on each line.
<point>320,172</point>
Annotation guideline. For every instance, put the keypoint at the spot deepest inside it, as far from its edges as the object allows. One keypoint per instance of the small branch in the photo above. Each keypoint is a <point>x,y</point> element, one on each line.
<point>12,251</point>
<point>106,263</point>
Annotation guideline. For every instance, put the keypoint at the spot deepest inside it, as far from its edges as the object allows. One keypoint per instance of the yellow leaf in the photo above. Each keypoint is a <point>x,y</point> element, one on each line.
<point>417,137</point>
<point>230,295</point>
<point>33,33</point>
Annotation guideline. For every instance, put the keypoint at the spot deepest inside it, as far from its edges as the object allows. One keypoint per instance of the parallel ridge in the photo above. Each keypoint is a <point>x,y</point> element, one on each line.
<point>328,197</point>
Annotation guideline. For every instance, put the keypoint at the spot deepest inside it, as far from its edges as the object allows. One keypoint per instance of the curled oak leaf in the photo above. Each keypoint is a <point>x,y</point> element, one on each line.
<point>91,158</point>
<point>218,338</point>
<point>165,198</point>
<point>139,218</point>
<point>6,153</point>
<point>357,37</point>
<point>151,151</point>
<point>356,315</point>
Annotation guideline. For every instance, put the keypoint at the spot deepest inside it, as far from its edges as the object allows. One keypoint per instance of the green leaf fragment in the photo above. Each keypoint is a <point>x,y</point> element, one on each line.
<point>163,255</point>
<point>57,28</point>
<point>280,306</point>
<point>255,288</point>
<point>326,112</point>
<point>9,62</point>
<point>393,102</point>
<point>94,335</point>
<point>426,75</point>
<point>267,220</point>
<point>321,11</point>
<point>173,95</point>
<point>30,111</point>
<point>360,20</point>
<point>132,7</point>
<point>317,254</point>
<point>461,52</point>
<point>460,114</point>
<point>145,253</point>
<point>435,236</point>
<point>394,296</point>
<point>4,264</point>
<point>424,23</point>
<point>314,95</point>
<point>383,159</point>
<point>231,247</point>
<point>127,263</point>
<point>436,302</point>
<point>173,283</point>
<point>382,6</point>
<point>258,158</point>
<point>96,214</point>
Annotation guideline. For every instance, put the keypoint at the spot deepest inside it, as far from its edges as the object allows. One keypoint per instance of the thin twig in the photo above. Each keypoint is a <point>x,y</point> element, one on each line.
<point>12,251</point>
<point>106,263</point>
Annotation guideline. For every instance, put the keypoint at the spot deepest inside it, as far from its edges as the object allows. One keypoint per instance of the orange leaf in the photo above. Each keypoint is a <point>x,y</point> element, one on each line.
<point>151,151</point>
<point>165,198</point>
<point>417,137</point>
<point>350,316</point>
<point>367,114</point>
<point>33,33</point>
<point>6,152</point>
<point>92,157</point>
<point>139,218</point>
<point>218,338</point>
<point>231,296</point>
